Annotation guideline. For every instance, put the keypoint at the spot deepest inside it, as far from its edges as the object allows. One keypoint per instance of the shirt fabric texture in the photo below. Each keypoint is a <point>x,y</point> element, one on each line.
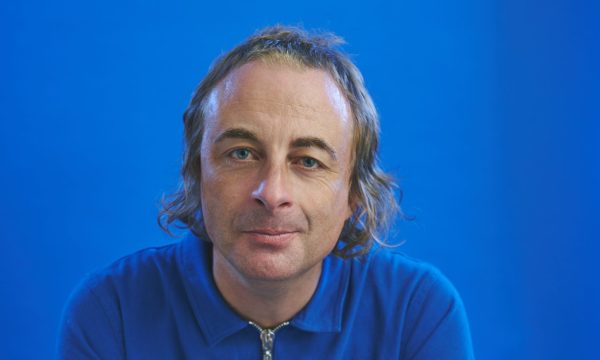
<point>162,303</point>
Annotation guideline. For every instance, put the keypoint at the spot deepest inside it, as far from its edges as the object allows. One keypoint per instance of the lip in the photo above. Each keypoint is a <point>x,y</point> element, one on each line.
<point>270,237</point>
<point>268,231</point>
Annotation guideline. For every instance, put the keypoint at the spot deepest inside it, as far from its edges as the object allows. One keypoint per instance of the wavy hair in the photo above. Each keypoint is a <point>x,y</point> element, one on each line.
<point>371,189</point>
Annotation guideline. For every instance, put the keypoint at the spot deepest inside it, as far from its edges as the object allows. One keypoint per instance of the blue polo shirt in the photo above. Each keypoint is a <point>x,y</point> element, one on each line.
<point>162,303</point>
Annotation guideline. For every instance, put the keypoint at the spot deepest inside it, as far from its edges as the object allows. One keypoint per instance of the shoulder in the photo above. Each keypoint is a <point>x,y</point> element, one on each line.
<point>415,283</point>
<point>134,271</point>
<point>141,281</point>
<point>433,317</point>
<point>96,306</point>
<point>399,272</point>
<point>144,260</point>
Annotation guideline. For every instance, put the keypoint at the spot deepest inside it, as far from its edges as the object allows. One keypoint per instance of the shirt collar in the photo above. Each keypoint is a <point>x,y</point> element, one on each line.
<point>323,313</point>
<point>217,320</point>
<point>215,317</point>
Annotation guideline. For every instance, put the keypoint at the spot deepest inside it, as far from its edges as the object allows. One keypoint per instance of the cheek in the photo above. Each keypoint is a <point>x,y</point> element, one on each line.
<point>216,193</point>
<point>215,197</point>
<point>217,209</point>
<point>328,201</point>
<point>224,195</point>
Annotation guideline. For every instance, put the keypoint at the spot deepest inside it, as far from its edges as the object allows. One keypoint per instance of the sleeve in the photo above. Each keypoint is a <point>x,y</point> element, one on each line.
<point>438,326</point>
<point>89,329</point>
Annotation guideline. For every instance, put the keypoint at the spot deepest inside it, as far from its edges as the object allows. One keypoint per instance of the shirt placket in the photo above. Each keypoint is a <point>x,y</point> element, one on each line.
<point>267,339</point>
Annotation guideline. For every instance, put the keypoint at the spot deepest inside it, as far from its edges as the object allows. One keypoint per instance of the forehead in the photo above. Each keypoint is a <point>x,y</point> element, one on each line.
<point>280,89</point>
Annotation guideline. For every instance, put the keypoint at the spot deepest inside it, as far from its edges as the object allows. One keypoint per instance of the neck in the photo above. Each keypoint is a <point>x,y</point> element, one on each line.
<point>267,303</point>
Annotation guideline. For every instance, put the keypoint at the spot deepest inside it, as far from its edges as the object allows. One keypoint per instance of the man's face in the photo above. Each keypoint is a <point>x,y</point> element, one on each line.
<point>276,164</point>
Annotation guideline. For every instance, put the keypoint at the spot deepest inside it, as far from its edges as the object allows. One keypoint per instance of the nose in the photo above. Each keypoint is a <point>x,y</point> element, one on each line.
<point>273,190</point>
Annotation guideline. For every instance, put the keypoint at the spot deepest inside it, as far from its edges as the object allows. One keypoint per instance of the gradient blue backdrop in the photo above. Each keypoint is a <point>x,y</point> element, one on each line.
<point>489,111</point>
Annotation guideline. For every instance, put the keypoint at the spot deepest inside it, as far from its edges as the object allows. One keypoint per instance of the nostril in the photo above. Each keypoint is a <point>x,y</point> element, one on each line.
<point>259,201</point>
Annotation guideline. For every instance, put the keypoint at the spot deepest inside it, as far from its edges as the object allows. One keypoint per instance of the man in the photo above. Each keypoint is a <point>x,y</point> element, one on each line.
<point>284,199</point>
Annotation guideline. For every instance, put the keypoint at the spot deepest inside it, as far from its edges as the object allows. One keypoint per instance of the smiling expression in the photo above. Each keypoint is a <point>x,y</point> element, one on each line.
<point>276,163</point>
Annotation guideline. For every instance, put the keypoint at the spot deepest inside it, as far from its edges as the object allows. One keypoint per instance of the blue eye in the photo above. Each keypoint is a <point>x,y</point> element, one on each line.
<point>240,154</point>
<point>309,162</point>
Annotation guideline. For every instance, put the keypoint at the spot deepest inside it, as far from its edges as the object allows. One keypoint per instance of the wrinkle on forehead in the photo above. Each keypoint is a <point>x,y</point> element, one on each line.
<point>229,93</point>
<point>258,105</point>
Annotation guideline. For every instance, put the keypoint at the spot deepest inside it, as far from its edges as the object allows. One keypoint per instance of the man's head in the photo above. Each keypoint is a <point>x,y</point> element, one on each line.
<point>369,195</point>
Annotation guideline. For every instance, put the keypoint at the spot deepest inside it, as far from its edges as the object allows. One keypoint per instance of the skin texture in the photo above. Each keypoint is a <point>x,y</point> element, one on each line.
<point>276,164</point>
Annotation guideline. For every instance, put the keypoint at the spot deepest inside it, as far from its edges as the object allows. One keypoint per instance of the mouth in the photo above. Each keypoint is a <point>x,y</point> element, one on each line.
<point>274,238</point>
<point>270,232</point>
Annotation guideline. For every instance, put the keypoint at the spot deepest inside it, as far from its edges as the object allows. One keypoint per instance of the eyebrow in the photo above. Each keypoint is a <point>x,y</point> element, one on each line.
<point>303,142</point>
<point>307,142</point>
<point>237,133</point>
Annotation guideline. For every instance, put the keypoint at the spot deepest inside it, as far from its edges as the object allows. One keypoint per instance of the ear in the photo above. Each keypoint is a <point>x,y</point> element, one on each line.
<point>352,205</point>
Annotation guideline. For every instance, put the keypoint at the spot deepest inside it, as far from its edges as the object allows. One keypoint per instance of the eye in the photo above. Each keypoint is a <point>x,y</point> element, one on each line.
<point>309,163</point>
<point>241,154</point>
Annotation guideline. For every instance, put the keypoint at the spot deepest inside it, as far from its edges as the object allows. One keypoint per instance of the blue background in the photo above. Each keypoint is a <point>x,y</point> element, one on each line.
<point>489,110</point>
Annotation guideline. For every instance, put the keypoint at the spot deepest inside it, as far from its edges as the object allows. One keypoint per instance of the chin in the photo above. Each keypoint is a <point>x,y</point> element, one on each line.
<point>269,269</point>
